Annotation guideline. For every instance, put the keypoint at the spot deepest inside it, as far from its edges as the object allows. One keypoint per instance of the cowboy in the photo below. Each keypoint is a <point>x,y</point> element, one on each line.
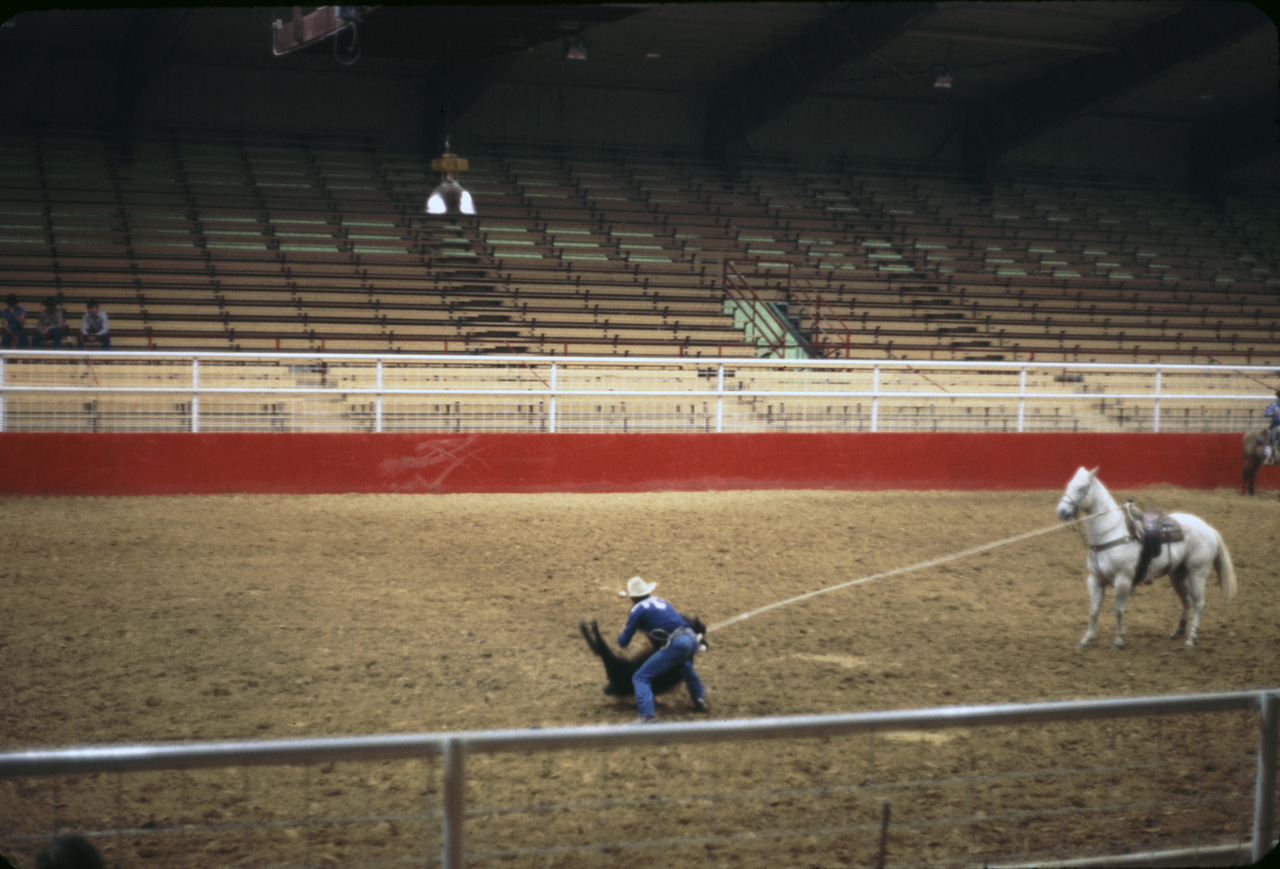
<point>671,635</point>
<point>1272,413</point>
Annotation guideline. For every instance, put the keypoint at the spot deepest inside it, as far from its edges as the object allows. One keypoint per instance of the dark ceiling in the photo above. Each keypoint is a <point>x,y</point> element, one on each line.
<point>1019,68</point>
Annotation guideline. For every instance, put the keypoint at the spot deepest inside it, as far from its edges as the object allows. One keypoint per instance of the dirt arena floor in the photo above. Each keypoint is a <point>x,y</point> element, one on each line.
<point>244,617</point>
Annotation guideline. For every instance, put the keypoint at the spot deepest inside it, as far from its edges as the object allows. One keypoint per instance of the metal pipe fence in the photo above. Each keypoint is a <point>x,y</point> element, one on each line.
<point>1174,780</point>
<point>290,392</point>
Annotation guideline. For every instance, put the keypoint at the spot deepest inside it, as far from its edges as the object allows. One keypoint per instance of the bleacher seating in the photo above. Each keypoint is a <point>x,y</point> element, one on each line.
<point>224,242</point>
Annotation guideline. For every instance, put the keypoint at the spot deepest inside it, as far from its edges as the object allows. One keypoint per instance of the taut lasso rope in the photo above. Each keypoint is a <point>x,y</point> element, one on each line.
<point>933,562</point>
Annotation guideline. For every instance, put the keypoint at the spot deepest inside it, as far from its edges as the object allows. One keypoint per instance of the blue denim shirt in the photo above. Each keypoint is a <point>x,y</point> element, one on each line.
<point>649,615</point>
<point>12,318</point>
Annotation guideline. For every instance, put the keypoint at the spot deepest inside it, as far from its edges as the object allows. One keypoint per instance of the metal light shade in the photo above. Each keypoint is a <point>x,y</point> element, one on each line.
<point>450,198</point>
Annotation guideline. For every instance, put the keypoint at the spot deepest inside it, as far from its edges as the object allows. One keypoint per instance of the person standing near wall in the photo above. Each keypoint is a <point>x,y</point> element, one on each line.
<point>1272,413</point>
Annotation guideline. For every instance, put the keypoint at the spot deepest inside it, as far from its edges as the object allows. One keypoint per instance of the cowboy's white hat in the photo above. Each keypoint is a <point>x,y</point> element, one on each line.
<point>637,587</point>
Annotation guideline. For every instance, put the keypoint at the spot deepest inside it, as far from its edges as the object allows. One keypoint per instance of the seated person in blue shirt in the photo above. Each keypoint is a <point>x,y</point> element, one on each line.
<point>671,635</point>
<point>13,324</point>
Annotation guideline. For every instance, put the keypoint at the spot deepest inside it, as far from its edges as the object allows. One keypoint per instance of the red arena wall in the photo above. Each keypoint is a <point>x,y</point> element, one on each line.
<point>175,463</point>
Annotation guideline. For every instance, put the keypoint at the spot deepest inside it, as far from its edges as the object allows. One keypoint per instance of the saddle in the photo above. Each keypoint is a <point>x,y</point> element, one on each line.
<point>1153,529</point>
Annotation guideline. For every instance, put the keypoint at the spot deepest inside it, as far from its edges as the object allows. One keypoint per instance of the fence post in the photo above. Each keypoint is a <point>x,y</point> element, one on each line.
<point>875,396</point>
<point>452,846</point>
<point>1155,414</point>
<point>377,418</point>
<point>1022,395</point>
<point>551,418</point>
<point>1264,801</point>
<point>195,395</point>
<point>720,398</point>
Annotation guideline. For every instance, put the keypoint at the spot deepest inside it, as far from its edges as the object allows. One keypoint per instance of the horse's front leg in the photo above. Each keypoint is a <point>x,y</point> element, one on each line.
<point>1179,580</point>
<point>1123,586</point>
<point>1095,606</point>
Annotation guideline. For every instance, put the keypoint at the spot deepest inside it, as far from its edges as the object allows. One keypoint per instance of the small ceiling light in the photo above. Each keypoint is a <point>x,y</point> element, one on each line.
<point>654,51</point>
<point>449,197</point>
<point>575,48</point>
<point>943,77</point>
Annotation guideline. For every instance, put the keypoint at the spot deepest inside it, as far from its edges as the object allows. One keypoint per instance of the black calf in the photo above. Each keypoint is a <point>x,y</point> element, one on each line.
<point>619,669</point>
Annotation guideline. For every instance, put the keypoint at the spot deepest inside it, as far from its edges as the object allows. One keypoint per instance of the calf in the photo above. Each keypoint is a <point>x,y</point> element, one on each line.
<point>620,669</point>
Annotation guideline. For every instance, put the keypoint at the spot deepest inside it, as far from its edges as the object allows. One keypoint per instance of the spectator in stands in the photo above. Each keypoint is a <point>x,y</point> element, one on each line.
<point>52,325</point>
<point>69,852</point>
<point>671,635</point>
<point>1272,413</point>
<point>95,327</point>
<point>13,324</point>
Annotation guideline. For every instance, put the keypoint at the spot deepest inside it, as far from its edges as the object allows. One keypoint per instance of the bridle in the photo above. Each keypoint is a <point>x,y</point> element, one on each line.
<point>1079,523</point>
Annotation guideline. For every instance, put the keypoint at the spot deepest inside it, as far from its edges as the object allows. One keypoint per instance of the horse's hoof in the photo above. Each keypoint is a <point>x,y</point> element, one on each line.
<point>1117,645</point>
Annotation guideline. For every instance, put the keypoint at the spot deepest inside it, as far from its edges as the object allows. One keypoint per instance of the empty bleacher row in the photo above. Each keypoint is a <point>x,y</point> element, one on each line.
<point>224,242</point>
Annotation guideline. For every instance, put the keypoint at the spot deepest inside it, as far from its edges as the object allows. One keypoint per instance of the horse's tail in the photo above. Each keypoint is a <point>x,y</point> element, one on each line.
<point>1226,570</point>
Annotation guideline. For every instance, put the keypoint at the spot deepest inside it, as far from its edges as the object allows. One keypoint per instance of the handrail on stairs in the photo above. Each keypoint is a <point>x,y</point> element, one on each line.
<point>759,311</point>
<point>800,286</point>
<point>738,289</point>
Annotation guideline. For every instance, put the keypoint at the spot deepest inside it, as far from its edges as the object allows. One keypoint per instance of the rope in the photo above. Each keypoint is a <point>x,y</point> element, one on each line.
<point>933,562</point>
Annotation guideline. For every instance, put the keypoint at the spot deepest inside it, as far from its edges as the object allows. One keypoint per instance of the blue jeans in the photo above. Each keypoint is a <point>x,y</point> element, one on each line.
<point>678,652</point>
<point>54,337</point>
<point>86,341</point>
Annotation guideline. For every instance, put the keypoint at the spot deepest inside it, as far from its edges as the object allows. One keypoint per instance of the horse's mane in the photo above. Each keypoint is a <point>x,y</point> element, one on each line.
<point>1104,495</point>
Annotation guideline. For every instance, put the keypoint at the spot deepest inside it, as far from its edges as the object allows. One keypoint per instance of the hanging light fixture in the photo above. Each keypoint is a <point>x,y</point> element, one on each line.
<point>449,197</point>
<point>943,76</point>
<point>575,47</point>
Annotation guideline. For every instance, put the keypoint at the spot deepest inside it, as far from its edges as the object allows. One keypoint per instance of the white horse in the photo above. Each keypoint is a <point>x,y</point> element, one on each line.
<point>1113,555</point>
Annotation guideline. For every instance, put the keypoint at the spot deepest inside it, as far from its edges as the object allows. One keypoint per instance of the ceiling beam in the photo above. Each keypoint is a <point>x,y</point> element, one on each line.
<point>450,88</point>
<point>153,37</point>
<point>1040,105</point>
<point>1230,141</point>
<point>953,35</point>
<point>778,79</point>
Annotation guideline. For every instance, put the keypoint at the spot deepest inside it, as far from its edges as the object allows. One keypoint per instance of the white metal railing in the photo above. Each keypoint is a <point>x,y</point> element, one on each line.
<point>202,392</point>
<point>1209,788</point>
